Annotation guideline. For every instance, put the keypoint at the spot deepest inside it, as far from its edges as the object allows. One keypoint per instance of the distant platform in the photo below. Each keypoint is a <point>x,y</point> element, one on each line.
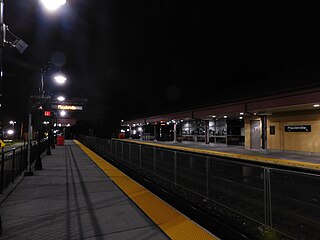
<point>303,161</point>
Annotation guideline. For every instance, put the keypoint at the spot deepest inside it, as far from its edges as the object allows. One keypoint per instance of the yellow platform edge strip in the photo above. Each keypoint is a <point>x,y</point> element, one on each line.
<point>172,222</point>
<point>277,161</point>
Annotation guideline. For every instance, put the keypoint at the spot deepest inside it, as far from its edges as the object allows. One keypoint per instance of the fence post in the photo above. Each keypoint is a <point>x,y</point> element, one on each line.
<point>154,160</point>
<point>122,157</point>
<point>175,166</point>
<point>267,197</point>
<point>2,170</point>
<point>208,176</point>
<point>140,157</point>
<point>13,164</point>
<point>130,153</point>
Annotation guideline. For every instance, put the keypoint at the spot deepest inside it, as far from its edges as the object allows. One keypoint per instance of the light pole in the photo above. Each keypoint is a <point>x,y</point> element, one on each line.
<point>13,123</point>
<point>60,79</point>
<point>1,62</point>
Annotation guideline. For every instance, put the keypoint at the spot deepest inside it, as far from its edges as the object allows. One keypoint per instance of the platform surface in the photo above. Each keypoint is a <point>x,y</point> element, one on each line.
<point>71,198</point>
<point>79,195</point>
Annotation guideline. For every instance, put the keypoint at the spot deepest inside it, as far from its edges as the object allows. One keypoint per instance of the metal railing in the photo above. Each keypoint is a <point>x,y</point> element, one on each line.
<point>258,197</point>
<point>14,162</point>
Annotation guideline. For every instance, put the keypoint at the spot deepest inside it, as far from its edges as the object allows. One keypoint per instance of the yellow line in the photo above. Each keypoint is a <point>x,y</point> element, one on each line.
<point>277,161</point>
<point>172,222</point>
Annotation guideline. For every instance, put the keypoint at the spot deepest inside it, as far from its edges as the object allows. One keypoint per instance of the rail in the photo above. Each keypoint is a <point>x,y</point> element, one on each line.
<point>13,162</point>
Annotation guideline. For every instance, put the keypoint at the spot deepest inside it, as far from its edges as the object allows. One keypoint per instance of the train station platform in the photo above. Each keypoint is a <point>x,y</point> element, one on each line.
<point>78,195</point>
<point>299,160</point>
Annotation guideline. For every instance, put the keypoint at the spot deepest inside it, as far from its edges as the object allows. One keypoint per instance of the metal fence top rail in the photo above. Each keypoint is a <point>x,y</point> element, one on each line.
<point>237,156</point>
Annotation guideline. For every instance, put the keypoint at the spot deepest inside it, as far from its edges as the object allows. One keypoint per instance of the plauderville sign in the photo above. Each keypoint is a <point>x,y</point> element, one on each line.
<point>68,107</point>
<point>298,128</point>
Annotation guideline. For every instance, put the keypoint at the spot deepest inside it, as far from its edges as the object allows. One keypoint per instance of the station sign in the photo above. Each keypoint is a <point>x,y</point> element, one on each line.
<point>298,128</point>
<point>68,107</point>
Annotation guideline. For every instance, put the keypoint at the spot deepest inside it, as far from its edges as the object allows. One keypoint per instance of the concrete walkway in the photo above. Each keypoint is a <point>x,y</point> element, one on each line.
<point>71,198</point>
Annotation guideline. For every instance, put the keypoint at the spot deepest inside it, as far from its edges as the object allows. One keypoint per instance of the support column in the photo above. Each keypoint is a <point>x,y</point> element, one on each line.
<point>2,39</point>
<point>264,142</point>
<point>175,132</point>
<point>155,132</point>
<point>130,132</point>
<point>206,132</point>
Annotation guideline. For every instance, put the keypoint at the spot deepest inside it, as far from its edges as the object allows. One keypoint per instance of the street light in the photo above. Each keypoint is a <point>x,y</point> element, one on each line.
<point>52,5</point>
<point>63,113</point>
<point>12,123</point>
<point>61,98</point>
<point>60,79</point>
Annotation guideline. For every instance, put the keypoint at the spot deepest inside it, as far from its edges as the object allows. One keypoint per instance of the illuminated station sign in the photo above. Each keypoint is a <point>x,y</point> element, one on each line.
<point>68,107</point>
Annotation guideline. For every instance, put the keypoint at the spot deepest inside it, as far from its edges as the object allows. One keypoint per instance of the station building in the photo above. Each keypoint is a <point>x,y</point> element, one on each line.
<point>285,121</point>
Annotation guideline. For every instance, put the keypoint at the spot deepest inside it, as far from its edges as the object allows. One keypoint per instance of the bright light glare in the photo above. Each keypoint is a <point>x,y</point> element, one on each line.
<point>140,129</point>
<point>52,5</point>
<point>60,79</point>
<point>63,113</point>
<point>61,98</point>
<point>10,132</point>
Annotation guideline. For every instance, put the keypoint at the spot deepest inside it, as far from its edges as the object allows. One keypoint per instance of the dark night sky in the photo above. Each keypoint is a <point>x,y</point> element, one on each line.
<point>136,58</point>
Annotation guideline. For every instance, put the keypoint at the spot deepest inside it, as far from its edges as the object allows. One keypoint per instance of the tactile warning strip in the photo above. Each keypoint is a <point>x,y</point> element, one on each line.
<point>172,222</point>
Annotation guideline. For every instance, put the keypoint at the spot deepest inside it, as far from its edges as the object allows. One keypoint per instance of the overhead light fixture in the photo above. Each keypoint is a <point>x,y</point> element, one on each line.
<point>241,113</point>
<point>63,113</point>
<point>61,98</point>
<point>10,132</point>
<point>52,5</point>
<point>225,116</point>
<point>316,105</point>
<point>214,116</point>
<point>60,79</point>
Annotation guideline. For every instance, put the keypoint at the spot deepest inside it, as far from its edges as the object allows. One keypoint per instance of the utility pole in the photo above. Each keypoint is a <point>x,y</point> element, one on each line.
<point>2,38</point>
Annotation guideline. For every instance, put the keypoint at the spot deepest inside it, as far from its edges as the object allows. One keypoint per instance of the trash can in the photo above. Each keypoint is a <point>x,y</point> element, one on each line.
<point>121,135</point>
<point>60,140</point>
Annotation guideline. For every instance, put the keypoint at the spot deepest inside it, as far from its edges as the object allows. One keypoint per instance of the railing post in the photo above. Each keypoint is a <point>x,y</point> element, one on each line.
<point>122,158</point>
<point>2,171</point>
<point>154,160</point>
<point>140,156</point>
<point>13,164</point>
<point>130,153</point>
<point>267,197</point>
<point>175,166</point>
<point>208,176</point>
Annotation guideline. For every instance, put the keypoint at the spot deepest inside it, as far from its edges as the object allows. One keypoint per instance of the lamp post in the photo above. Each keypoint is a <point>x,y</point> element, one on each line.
<point>1,62</point>
<point>60,79</point>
